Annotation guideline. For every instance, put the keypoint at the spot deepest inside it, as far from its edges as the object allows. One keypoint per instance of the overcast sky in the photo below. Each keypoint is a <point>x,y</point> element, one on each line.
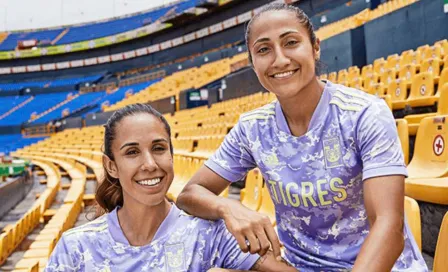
<point>29,14</point>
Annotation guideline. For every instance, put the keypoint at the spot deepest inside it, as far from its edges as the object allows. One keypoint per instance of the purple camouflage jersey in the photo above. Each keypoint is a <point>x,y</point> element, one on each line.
<point>182,243</point>
<point>316,180</point>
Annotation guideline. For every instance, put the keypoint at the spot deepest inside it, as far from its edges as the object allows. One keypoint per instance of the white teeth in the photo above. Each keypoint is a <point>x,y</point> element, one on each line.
<point>285,74</point>
<point>149,182</point>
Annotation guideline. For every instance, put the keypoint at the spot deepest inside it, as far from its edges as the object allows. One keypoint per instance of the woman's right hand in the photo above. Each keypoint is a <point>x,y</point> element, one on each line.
<point>252,230</point>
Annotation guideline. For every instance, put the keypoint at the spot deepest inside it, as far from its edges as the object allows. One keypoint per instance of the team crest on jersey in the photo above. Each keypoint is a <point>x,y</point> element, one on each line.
<point>332,151</point>
<point>175,258</point>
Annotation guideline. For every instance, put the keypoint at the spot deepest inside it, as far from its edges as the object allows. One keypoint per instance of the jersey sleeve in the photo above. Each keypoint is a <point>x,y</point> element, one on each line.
<point>378,142</point>
<point>63,257</point>
<point>233,159</point>
<point>227,252</point>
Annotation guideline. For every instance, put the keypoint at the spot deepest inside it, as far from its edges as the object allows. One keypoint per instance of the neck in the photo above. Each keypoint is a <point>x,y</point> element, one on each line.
<point>299,110</point>
<point>140,222</point>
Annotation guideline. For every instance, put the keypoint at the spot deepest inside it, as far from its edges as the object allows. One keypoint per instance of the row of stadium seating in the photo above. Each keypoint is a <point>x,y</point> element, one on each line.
<point>412,80</point>
<point>361,18</point>
<point>43,108</point>
<point>49,83</point>
<point>85,32</point>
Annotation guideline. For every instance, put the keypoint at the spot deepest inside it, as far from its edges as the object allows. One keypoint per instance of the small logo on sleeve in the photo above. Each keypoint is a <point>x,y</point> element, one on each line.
<point>332,152</point>
<point>175,258</point>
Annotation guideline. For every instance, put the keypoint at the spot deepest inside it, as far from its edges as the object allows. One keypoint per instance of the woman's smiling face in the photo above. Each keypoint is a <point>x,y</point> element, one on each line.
<point>142,159</point>
<point>283,56</point>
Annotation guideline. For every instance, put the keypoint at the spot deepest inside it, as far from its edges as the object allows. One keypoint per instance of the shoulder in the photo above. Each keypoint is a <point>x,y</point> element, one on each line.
<point>80,233</point>
<point>352,102</point>
<point>261,113</point>
<point>187,220</point>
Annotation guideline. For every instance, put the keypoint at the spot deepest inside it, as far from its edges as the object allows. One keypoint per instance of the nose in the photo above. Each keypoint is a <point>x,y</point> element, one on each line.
<point>148,164</point>
<point>281,60</point>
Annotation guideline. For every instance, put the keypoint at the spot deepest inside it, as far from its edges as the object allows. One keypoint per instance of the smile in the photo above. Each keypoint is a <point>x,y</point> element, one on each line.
<point>285,74</point>
<point>150,182</point>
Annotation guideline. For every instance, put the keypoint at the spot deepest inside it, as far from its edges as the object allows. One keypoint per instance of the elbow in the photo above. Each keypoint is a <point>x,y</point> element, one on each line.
<point>182,198</point>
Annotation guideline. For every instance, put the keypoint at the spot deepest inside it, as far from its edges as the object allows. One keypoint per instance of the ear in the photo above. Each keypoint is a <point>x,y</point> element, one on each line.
<point>317,49</point>
<point>110,166</point>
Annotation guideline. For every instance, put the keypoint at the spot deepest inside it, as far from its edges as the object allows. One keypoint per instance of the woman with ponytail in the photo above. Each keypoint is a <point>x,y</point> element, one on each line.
<point>140,229</point>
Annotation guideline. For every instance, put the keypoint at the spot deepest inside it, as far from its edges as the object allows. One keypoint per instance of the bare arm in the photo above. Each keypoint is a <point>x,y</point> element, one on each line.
<point>384,202</point>
<point>267,263</point>
<point>200,198</point>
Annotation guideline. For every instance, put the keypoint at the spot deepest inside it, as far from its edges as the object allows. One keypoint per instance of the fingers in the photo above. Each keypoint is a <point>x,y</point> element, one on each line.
<point>263,241</point>
<point>254,244</point>
<point>241,240</point>
<point>273,238</point>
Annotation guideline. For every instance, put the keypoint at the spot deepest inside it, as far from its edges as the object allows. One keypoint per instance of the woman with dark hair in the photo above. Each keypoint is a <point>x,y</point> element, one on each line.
<point>142,230</point>
<point>329,154</point>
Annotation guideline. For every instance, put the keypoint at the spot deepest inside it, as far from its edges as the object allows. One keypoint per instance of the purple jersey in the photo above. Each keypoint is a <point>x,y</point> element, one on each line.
<point>182,243</point>
<point>316,180</point>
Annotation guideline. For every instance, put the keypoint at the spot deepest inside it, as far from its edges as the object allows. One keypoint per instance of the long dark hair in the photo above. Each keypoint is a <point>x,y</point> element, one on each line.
<point>302,18</point>
<point>109,193</point>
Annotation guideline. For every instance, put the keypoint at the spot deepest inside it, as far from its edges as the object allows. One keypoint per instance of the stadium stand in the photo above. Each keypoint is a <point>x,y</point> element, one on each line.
<point>92,31</point>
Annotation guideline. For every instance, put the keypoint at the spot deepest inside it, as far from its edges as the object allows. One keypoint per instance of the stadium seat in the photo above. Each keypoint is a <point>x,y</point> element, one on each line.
<point>356,83</point>
<point>252,191</point>
<point>412,212</point>
<point>431,65</point>
<point>442,109</point>
<point>332,77</point>
<point>376,89</point>
<point>393,62</point>
<point>440,258</point>
<point>379,66</point>
<point>443,47</point>
<point>398,91</point>
<point>422,91</point>
<point>267,205</point>
<point>410,57</point>
<point>407,73</point>
<point>430,159</point>
<point>370,79</point>
<point>403,135</point>
<point>366,71</point>
<point>388,76</point>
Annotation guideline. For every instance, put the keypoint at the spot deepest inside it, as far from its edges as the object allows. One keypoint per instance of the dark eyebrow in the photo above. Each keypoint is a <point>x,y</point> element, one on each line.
<point>128,144</point>
<point>281,36</point>
<point>160,140</point>
<point>136,144</point>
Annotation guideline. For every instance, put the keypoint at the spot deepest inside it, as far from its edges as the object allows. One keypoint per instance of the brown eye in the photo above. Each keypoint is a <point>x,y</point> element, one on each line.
<point>131,152</point>
<point>262,50</point>
<point>291,42</point>
<point>159,148</point>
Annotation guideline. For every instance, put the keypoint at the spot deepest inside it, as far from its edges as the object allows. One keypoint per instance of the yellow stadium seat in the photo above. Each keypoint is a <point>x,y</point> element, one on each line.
<point>431,190</point>
<point>388,76</point>
<point>410,57</point>
<point>423,49</point>
<point>31,265</point>
<point>323,77</point>
<point>387,98</point>
<point>412,212</point>
<point>431,66</point>
<point>393,61</point>
<point>440,257</point>
<point>398,91</point>
<point>366,71</point>
<point>342,76</point>
<point>442,109</point>
<point>353,72</point>
<point>370,79</point>
<point>379,66</point>
<point>443,47</point>
<point>430,158</point>
<point>407,73</point>
<point>403,135</point>
<point>267,205</point>
<point>356,83</point>
<point>252,192</point>
<point>376,89</point>
<point>422,91</point>
<point>434,51</point>
<point>332,77</point>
